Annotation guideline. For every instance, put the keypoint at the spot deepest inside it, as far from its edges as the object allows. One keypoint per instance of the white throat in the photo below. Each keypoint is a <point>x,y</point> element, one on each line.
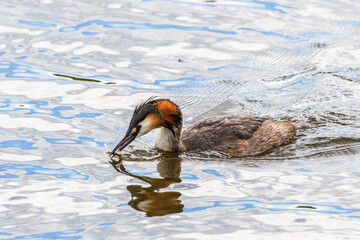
<point>166,141</point>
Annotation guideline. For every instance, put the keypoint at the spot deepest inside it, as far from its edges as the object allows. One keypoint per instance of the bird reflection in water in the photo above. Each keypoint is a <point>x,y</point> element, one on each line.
<point>150,199</point>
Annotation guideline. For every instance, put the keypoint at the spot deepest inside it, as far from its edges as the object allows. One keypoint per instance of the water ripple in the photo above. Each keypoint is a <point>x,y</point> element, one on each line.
<point>137,26</point>
<point>36,23</point>
<point>80,140</point>
<point>31,169</point>
<point>22,144</point>
<point>15,70</point>
<point>213,172</point>
<point>269,33</point>
<point>272,6</point>
<point>37,107</point>
<point>71,75</point>
<point>53,235</point>
<point>277,206</point>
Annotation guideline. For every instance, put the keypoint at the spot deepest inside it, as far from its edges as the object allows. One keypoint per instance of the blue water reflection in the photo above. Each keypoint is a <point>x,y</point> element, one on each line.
<point>106,224</point>
<point>31,169</point>
<point>22,144</point>
<point>7,6</point>
<point>80,140</point>
<point>213,172</point>
<point>21,57</point>
<point>5,233</point>
<point>15,70</point>
<point>89,33</point>
<point>269,33</point>
<point>100,197</point>
<point>272,6</point>
<point>36,23</point>
<point>188,176</point>
<point>136,26</point>
<point>53,235</point>
<point>288,60</point>
<point>59,54</point>
<point>37,107</point>
<point>277,206</point>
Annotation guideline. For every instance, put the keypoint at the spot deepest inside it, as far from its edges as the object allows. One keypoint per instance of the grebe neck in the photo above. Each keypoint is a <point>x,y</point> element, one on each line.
<point>168,141</point>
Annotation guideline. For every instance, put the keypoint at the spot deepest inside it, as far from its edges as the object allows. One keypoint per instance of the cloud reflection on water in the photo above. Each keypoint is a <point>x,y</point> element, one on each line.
<point>69,83</point>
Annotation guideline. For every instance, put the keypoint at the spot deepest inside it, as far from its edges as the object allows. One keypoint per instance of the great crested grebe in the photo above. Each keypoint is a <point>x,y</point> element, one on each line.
<point>237,135</point>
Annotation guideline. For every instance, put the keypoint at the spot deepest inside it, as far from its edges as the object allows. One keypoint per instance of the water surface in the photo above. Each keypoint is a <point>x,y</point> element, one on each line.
<point>72,72</point>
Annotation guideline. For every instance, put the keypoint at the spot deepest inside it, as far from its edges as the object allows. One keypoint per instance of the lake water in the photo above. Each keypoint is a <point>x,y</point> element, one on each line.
<point>71,73</point>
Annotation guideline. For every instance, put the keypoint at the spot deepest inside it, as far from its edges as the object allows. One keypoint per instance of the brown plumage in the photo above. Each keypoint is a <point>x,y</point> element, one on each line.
<point>237,135</point>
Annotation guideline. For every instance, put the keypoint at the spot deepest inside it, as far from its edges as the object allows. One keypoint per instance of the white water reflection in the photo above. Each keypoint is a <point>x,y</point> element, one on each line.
<point>72,72</point>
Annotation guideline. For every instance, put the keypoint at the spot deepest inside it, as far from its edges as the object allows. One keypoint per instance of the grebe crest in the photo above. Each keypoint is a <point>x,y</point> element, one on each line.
<point>239,135</point>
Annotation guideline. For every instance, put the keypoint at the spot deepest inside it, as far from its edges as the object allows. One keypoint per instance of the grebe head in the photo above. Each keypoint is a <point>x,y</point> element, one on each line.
<point>149,115</point>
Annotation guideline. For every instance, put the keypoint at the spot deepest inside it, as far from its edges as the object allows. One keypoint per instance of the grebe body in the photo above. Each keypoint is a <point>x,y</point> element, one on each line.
<point>237,135</point>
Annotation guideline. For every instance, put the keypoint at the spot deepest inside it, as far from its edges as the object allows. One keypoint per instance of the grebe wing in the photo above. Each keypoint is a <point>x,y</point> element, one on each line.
<point>271,134</point>
<point>218,133</point>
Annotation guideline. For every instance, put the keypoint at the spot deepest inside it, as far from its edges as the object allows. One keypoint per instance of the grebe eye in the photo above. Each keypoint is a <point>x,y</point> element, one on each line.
<point>138,126</point>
